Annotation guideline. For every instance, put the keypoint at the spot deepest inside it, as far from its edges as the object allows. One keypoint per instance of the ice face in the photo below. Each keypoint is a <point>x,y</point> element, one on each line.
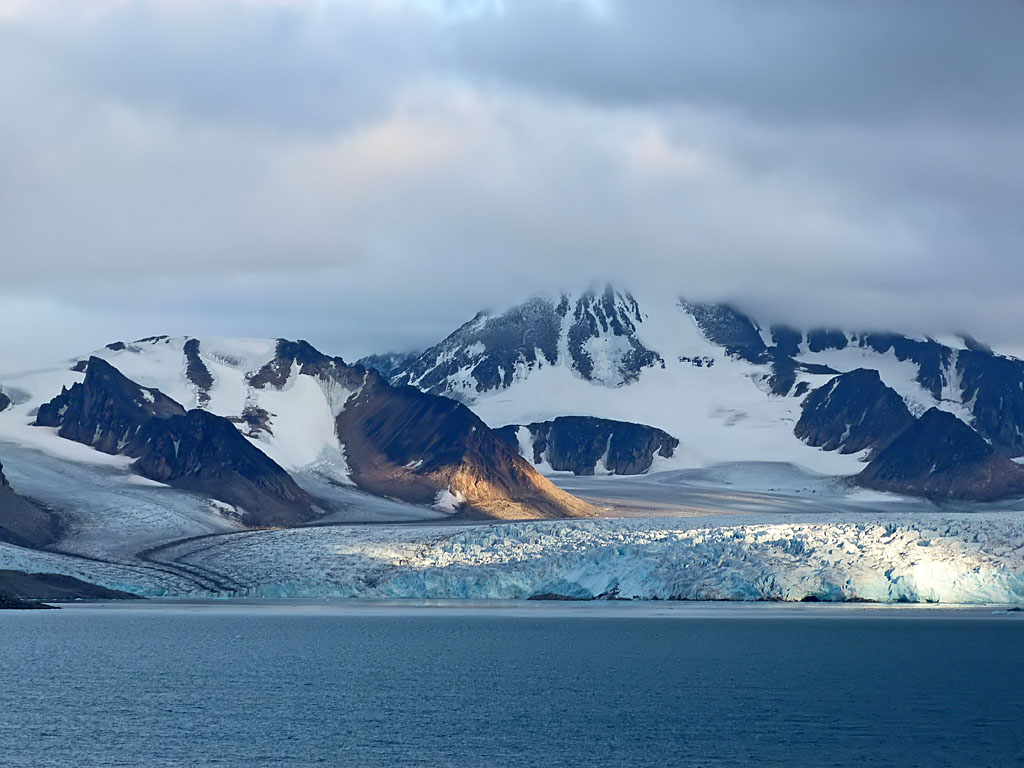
<point>975,558</point>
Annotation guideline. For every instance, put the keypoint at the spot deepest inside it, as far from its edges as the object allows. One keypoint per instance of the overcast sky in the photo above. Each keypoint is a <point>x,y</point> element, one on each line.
<point>367,175</point>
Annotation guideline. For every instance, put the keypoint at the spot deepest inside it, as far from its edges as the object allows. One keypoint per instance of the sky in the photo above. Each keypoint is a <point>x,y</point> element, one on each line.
<point>367,175</point>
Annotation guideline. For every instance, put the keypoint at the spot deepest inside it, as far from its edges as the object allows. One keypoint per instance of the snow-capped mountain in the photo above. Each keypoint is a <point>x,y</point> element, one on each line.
<point>133,458</point>
<point>727,387</point>
<point>593,334</point>
<point>270,432</point>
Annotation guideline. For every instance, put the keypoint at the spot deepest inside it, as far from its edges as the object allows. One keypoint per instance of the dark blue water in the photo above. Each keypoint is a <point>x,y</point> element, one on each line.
<point>250,687</point>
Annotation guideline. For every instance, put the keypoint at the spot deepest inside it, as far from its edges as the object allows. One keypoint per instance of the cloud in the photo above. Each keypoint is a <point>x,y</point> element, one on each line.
<point>369,174</point>
<point>790,61</point>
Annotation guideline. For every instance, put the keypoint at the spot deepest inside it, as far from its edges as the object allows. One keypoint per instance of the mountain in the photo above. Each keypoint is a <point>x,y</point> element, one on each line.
<point>194,450</point>
<point>585,445</point>
<point>727,387</point>
<point>274,431</point>
<point>417,447</point>
<point>602,381</point>
<point>940,457</point>
<point>595,334</point>
<point>424,449</point>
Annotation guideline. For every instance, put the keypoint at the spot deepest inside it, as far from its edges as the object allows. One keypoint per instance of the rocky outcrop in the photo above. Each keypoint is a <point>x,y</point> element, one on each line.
<point>425,449</point>
<point>853,412</point>
<point>727,327</point>
<point>994,387</point>
<point>106,410</point>
<point>22,522</point>
<point>390,364</point>
<point>585,444</point>
<point>820,339</point>
<point>741,337</point>
<point>4,401</point>
<point>197,372</point>
<point>613,314</point>
<point>194,450</point>
<point>940,457</point>
<point>17,585</point>
<point>303,358</point>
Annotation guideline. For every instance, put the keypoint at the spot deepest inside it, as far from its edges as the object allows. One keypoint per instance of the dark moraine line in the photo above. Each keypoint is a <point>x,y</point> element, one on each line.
<point>205,578</point>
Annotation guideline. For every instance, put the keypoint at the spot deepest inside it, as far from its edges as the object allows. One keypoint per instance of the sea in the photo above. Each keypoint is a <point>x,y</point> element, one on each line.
<point>461,683</point>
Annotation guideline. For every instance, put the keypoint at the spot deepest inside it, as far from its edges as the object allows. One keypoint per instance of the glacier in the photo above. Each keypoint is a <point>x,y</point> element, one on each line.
<point>973,558</point>
<point>969,558</point>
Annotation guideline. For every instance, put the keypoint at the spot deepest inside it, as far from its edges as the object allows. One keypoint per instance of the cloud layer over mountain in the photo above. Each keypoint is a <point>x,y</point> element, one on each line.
<point>368,174</point>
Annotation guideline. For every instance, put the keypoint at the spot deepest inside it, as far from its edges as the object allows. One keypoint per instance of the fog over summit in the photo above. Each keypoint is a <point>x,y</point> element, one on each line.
<point>369,175</point>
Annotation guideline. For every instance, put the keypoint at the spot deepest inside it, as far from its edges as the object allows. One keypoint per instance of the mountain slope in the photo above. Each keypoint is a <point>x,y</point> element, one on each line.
<point>940,457</point>
<point>218,416</point>
<point>714,396</point>
<point>426,449</point>
<point>194,450</point>
<point>730,388</point>
<point>853,412</point>
<point>595,333</point>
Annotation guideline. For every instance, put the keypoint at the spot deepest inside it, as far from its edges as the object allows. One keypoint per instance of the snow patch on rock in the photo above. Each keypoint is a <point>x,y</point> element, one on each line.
<point>448,501</point>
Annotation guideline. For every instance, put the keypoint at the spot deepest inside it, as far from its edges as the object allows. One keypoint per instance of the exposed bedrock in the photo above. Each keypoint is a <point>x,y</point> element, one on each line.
<point>853,412</point>
<point>586,444</point>
<point>940,457</point>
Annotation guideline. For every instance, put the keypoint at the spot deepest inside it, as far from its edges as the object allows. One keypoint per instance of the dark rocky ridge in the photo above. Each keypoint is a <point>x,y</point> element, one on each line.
<point>201,452</point>
<point>197,372</point>
<point>725,326</point>
<point>22,522</point>
<point>390,364</point>
<point>308,360</point>
<point>939,457</point>
<point>4,401</point>
<point>578,444</point>
<point>106,410</point>
<point>412,445</point>
<point>740,336</point>
<point>820,339</point>
<point>995,386</point>
<point>193,450</point>
<point>853,412</point>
